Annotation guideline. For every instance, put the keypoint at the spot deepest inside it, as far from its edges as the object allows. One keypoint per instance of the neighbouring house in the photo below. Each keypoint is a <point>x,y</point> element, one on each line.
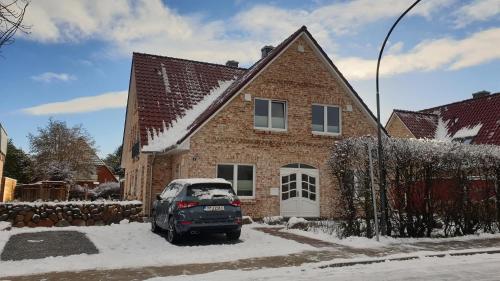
<point>100,174</point>
<point>50,190</point>
<point>475,121</point>
<point>268,129</point>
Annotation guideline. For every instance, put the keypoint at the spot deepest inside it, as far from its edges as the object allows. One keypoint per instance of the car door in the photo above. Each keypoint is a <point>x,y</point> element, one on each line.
<point>166,199</point>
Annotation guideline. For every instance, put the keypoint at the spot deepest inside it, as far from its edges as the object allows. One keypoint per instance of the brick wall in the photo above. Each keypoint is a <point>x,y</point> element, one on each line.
<point>397,129</point>
<point>301,79</point>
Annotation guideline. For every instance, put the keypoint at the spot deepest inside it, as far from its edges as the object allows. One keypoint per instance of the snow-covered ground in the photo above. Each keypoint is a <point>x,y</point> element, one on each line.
<point>134,245</point>
<point>363,242</point>
<point>478,267</point>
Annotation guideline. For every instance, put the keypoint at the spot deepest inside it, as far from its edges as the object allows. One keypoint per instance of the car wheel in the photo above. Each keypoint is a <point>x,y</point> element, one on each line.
<point>233,236</point>
<point>154,227</point>
<point>172,235</point>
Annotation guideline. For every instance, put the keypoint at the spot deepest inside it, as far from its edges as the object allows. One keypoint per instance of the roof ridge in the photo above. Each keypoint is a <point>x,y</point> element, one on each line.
<point>462,101</point>
<point>411,111</point>
<point>188,60</point>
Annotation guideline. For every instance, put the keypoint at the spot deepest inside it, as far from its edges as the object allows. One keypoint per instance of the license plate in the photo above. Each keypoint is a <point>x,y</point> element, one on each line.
<point>214,208</point>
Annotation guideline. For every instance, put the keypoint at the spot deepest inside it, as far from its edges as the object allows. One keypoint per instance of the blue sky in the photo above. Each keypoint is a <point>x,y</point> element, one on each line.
<point>75,64</point>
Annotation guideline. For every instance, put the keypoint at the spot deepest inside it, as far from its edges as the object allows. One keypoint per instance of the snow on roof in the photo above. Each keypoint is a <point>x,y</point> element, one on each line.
<point>467,132</point>
<point>200,180</point>
<point>159,141</point>
<point>443,131</point>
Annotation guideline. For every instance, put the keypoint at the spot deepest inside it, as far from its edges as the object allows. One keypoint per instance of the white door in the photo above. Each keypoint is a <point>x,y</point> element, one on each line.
<point>299,192</point>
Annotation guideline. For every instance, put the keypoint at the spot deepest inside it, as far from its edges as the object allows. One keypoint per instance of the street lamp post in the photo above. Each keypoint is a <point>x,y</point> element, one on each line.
<point>382,182</point>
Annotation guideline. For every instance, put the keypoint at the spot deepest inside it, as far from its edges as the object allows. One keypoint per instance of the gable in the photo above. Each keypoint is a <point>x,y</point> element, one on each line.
<point>268,62</point>
<point>396,128</point>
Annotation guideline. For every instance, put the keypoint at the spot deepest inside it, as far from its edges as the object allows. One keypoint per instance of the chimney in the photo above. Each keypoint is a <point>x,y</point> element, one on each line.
<point>480,94</point>
<point>266,50</point>
<point>232,63</point>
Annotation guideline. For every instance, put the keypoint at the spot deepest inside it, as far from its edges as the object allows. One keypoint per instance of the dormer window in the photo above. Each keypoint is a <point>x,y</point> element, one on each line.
<point>270,114</point>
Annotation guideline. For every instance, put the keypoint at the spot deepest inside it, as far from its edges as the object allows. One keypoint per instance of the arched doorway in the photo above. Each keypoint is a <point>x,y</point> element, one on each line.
<point>299,191</point>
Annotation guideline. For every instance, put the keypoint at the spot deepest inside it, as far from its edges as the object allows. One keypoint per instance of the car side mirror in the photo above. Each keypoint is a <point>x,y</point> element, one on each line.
<point>158,197</point>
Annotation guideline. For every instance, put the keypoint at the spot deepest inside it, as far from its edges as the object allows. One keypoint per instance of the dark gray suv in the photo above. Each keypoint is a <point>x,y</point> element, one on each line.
<point>193,206</point>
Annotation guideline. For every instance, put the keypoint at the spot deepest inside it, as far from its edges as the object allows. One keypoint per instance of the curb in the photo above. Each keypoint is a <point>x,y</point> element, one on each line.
<point>344,264</point>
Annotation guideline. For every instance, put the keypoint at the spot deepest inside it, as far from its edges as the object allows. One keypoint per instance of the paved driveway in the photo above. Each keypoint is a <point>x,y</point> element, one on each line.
<point>38,245</point>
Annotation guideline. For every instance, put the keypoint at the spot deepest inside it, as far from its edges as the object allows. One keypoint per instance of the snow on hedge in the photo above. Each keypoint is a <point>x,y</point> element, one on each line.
<point>168,137</point>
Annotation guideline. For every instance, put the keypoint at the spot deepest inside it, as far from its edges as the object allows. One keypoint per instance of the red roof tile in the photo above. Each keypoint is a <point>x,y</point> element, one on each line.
<point>166,87</point>
<point>458,115</point>
<point>421,125</point>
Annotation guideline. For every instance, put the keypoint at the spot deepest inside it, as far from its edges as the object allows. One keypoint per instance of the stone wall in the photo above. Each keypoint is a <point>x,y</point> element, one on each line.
<point>78,213</point>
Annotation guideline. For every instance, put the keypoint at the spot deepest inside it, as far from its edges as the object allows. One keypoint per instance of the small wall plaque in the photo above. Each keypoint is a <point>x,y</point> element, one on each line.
<point>274,191</point>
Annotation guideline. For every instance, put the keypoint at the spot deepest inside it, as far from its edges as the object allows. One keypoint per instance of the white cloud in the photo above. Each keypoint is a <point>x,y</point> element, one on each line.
<point>48,77</point>
<point>444,53</point>
<point>345,17</point>
<point>80,105</point>
<point>479,10</point>
<point>151,26</point>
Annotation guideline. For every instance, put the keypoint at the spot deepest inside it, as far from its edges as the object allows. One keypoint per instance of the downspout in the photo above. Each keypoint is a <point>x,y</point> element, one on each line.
<point>151,184</point>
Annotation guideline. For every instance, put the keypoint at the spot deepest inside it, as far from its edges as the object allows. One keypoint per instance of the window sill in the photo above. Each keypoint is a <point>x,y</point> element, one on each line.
<point>326,134</point>
<point>269,130</point>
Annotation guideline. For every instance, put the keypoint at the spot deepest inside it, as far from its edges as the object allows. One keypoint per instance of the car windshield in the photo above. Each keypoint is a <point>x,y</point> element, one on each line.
<point>210,191</point>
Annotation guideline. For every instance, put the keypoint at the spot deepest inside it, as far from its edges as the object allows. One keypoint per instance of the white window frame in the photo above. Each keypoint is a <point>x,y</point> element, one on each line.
<point>325,120</point>
<point>269,115</point>
<point>235,177</point>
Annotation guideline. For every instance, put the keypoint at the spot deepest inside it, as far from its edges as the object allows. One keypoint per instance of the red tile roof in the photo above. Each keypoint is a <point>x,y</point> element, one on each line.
<point>458,115</point>
<point>166,87</point>
<point>421,125</point>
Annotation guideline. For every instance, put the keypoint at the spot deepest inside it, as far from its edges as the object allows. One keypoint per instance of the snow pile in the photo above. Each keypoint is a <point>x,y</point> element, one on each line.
<point>168,137</point>
<point>293,221</point>
<point>5,225</point>
<point>273,220</point>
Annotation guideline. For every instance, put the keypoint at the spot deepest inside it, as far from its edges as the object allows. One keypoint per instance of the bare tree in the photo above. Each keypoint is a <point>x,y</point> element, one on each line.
<point>63,153</point>
<point>11,20</point>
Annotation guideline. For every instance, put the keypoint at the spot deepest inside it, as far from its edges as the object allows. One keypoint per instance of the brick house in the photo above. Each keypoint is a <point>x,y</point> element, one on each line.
<point>475,121</point>
<point>267,129</point>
